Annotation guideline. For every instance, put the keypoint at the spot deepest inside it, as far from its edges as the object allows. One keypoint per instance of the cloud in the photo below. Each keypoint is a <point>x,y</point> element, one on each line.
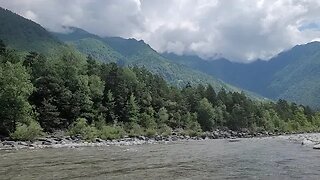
<point>241,30</point>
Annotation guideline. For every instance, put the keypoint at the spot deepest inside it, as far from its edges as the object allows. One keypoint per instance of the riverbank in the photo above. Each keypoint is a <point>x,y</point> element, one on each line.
<point>307,139</point>
<point>54,141</point>
<point>61,141</point>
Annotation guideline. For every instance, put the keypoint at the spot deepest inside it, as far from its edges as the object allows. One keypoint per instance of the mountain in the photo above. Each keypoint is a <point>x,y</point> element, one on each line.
<point>131,52</point>
<point>293,74</point>
<point>23,34</point>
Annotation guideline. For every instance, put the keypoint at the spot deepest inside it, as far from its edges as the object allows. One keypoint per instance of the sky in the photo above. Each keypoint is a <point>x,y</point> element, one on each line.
<point>239,30</point>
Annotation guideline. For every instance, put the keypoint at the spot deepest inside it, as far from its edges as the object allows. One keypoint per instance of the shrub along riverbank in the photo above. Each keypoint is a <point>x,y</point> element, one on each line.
<point>84,97</point>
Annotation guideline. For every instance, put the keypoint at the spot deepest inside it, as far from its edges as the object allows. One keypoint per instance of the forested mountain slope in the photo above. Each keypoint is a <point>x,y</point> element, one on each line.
<point>131,52</point>
<point>292,74</point>
<point>23,34</point>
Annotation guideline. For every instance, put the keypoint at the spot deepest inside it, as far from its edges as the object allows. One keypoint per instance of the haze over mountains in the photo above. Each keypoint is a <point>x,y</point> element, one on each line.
<point>292,75</point>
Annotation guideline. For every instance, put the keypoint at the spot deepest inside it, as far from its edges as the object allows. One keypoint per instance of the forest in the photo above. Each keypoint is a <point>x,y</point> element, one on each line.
<point>41,95</point>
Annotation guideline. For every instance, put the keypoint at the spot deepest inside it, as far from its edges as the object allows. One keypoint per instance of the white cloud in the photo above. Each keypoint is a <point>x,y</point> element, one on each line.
<point>30,15</point>
<point>241,30</point>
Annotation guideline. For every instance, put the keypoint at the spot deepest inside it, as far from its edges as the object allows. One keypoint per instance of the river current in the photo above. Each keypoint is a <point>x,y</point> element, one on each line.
<point>256,158</point>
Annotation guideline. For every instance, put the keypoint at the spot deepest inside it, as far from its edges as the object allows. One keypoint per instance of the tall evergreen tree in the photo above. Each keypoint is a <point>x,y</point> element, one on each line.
<point>132,110</point>
<point>206,114</point>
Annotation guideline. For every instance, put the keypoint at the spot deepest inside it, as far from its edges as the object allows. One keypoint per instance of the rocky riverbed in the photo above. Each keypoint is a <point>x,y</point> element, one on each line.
<point>75,142</point>
<point>54,141</point>
<point>307,139</point>
<point>58,141</point>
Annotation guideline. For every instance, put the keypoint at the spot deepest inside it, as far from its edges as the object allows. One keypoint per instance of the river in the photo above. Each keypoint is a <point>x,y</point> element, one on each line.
<point>256,158</point>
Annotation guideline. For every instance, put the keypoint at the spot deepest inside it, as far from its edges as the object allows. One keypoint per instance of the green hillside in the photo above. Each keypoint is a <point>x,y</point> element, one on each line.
<point>130,52</point>
<point>23,34</point>
<point>97,49</point>
<point>299,81</point>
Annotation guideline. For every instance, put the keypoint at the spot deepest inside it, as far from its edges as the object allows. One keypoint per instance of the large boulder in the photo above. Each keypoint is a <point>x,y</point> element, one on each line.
<point>307,142</point>
<point>9,143</point>
<point>174,138</point>
<point>317,146</point>
<point>23,143</point>
<point>142,138</point>
<point>98,140</point>
<point>47,143</point>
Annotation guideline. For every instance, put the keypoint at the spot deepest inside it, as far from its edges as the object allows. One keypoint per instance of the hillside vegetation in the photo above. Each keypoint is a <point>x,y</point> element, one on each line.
<point>92,99</point>
<point>130,52</point>
<point>23,34</point>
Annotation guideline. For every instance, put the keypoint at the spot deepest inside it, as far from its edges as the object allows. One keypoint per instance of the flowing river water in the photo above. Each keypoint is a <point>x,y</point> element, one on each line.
<point>256,158</point>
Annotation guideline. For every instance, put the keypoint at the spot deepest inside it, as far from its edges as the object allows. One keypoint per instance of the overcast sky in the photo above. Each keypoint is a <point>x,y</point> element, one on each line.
<point>241,30</point>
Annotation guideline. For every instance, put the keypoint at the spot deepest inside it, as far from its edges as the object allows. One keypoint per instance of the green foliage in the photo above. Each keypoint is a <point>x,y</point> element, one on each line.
<point>163,116</point>
<point>111,132</point>
<point>15,88</point>
<point>104,100</point>
<point>130,52</point>
<point>132,109</point>
<point>193,127</point>
<point>97,49</point>
<point>96,87</point>
<point>134,129</point>
<point>147,119</point>
<point>110,106</point>
<point>192,133</point>
<point>206,114</point>
<point>80,127</point>
<point>23,34</point>
<point>164,130</point>
<point>27,132</point>
<point>150,132</point>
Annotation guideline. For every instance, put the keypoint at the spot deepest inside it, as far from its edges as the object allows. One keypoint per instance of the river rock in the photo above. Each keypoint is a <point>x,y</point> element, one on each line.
<point>233,133</point>
<point>42,139</point>
<point>143,138</point>
<point>174,138</point>
<point>317,146</point>
<point>215,135</point>
<point>307,142</point>
<point>68,138</point>
<point>9,143</point>
<point>234,140</point>
<point>226,135</point>
<point>23,143</point>
<point>47,143</point>
<point>98,140</point>
<point>57,139</point>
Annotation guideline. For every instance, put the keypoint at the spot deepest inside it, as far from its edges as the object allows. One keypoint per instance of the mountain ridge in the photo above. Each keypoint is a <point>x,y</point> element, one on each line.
<point>280,77</point>
<point>24,34</point>
<point>131,52</point>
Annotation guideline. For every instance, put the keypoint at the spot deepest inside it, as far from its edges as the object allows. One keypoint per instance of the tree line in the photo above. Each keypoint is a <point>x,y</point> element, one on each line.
<point>83,96</point>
